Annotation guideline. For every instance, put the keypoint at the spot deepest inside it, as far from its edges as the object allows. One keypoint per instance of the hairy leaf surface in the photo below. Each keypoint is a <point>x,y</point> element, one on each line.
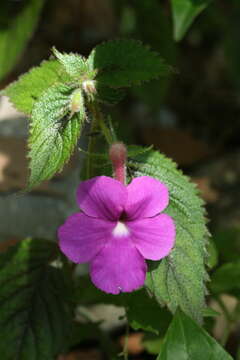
<point>54,132</point>
<point>123,63</point>
<point>178,280</point>
<point>74,64</point>
<point>24,92</point>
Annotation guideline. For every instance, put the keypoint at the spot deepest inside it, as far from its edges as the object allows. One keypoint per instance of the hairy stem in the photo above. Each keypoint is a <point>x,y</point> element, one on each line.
<point>99,119</point>
<point>97,123</point>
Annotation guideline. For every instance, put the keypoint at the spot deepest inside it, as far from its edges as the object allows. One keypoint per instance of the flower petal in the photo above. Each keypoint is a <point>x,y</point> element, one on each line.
<point>153,237</point>
<point>102,197</point>
<point>118,267</point>
<point>147,197</point>
<point>82,237</point>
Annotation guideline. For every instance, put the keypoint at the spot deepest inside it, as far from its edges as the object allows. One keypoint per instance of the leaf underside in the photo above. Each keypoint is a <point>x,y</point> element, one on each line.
<point>54,133</point>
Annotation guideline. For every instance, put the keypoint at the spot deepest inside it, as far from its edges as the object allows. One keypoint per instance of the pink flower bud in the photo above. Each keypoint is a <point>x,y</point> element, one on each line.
<point>118,157</point>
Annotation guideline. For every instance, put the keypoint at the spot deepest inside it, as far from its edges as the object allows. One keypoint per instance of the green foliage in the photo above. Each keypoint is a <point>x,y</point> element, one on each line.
<point>24,92</point>
<point>226,278</point>
<point>178,280</point>
<point>74,64</point>
<point>109,95</point>
<point>152,343</point>
<point>54,132</point>
<point>34,317</point>
<point>15,35</point>
<point>185,340</point>
<point>45,93</point>
<point>124,63</point>
<point>145,313</point>
<point>184,13</point>
<point>209,312</point>
<point>212,259</point>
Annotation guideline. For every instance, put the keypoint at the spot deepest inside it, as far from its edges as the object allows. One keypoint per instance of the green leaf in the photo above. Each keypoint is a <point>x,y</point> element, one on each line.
<point>14,36</point>
<point>34,317</point>
<point>74,64</point>
<point>122,63</point>
<point>212,254</point>
<point>109,95</point>
<point>184,13</point>
<point>24,92</point>
<point>54,132</point>
<point>178,280</point>
<point>226,278</point>
<point>152,343</point>
<point>145,313</point>
<point>185,340</point>
<point>209,312</point>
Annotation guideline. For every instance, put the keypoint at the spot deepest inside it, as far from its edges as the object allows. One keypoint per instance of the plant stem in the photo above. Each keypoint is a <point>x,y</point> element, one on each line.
<point>97,122</point>
<point>99,119</point>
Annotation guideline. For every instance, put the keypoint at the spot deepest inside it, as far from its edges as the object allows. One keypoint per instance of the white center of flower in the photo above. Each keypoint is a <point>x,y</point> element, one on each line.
<point>120,229</point>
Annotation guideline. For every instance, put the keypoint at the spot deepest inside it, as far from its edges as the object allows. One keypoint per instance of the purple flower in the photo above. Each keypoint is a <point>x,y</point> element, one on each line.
<point>119,227</point>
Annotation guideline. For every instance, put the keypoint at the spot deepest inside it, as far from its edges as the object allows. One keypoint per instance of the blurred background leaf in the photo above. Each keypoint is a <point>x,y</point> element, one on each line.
<point>15,31</point>
<point>184,13</point>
